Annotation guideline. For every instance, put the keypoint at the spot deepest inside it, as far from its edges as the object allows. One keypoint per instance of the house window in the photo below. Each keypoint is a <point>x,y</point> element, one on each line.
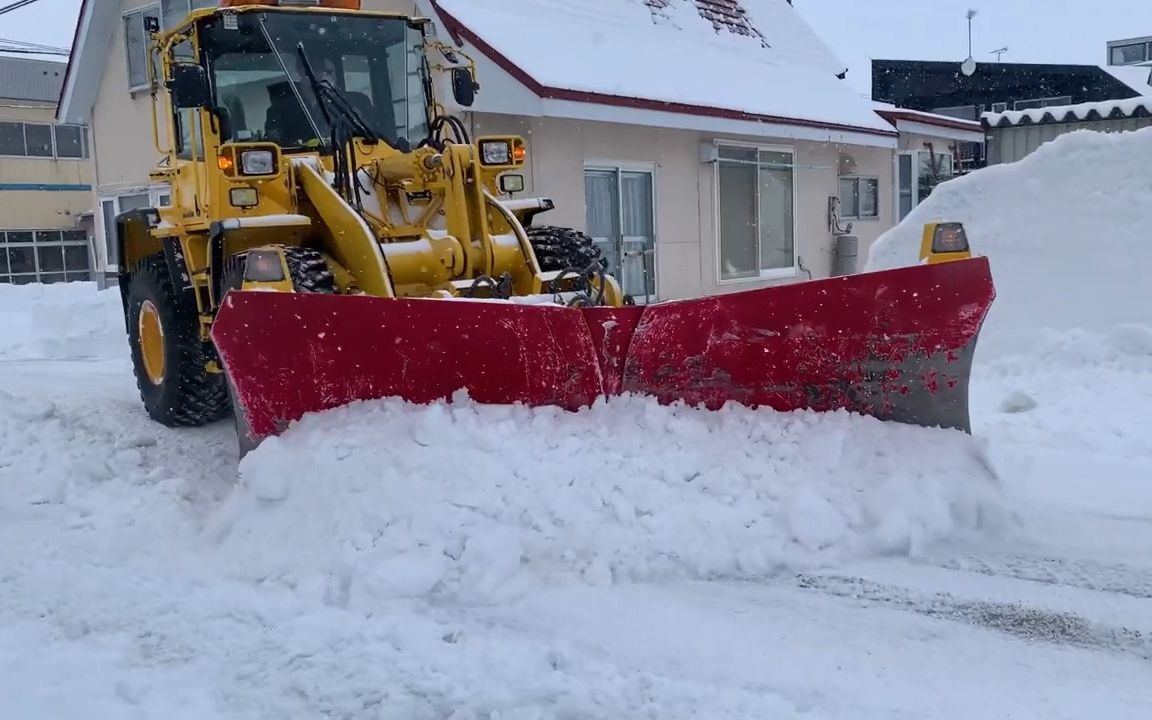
<point>44,256</point>
<point>69,141</point>
<point>1130,54</point>
<point>42,140</point>
<point>755,198</point>
<point>136,45</point>
<point>859,197</point>
<point>176,10</point>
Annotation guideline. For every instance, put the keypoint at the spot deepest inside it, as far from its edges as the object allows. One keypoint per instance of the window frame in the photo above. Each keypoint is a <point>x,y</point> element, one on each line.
<point>102,261</point>
<point>1112,50</point>
<point>55,154</point>
<point>1044,102</point>
<point>763,275</point>
<point>156,11</point>
<point>38,243</point>
<point>857,180</point>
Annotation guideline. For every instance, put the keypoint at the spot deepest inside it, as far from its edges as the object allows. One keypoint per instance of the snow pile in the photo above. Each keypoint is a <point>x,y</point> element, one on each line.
<point>62,321</point>
<point>1067,231</point>
<point>385,499</point>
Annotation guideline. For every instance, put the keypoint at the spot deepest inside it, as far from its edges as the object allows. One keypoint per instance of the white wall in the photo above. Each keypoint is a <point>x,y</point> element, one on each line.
<point>686,254</point>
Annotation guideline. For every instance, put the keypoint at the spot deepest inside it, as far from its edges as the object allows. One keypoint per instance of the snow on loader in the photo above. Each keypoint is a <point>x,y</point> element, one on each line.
<point>335,235</point>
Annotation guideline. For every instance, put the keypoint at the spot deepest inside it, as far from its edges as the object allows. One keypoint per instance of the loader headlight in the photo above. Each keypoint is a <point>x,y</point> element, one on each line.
<point>496,152</point>
<point>257,162</point>
<point>243,197</point>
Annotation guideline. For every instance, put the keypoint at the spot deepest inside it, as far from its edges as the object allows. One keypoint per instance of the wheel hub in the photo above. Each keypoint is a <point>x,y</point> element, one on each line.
<point>151,342</point>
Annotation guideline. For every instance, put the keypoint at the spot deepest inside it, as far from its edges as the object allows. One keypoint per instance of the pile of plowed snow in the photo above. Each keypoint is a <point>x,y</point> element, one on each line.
<point>385,499</point>
<point>62,321</point>
<point>1068,233</point>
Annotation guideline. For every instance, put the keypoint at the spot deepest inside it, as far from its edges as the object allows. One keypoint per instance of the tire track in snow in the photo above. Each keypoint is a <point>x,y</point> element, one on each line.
<point>1025,622</point>
<point>1083,574</point>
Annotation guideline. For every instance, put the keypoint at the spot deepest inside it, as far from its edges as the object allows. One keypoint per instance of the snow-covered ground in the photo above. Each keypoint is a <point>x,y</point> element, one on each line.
<point>632,561</point>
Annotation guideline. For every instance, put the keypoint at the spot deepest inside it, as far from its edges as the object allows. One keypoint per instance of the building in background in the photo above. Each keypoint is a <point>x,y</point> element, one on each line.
<point>1013,134</point>
<point>45,179</point>
<point>1133,51</point>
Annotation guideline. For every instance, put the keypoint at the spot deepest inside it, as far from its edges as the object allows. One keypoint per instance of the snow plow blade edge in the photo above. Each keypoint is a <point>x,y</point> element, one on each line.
<point>896,344</point>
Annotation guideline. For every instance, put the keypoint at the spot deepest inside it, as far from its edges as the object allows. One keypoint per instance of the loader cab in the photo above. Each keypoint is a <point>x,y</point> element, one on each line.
<point>262,69</point>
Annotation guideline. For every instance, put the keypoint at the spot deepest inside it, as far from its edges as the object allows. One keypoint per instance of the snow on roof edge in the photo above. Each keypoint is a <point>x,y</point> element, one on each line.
<point>1115,109</point>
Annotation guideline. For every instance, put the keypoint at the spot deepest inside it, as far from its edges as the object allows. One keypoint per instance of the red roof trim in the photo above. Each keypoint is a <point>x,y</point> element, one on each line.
<point>71,56</point>
<point>458,30</point>
<point>937,121</point>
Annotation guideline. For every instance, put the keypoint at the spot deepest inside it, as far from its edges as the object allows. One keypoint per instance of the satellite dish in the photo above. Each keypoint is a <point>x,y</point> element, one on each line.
<point>968,67</point>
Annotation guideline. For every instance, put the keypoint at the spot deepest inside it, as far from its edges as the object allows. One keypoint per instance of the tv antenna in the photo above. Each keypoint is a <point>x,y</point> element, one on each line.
<point>998,52</point>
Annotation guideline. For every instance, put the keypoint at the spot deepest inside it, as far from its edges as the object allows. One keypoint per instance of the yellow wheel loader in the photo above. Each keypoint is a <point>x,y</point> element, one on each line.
<point>335,235</point>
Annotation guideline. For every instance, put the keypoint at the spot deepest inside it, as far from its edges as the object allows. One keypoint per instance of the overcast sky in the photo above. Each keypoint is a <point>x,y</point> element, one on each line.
<point>1073,31</point>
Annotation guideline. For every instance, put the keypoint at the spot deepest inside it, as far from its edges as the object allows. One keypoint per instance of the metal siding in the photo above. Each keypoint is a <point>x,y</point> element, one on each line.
<point>1009,144</point>
<point>23,79</point>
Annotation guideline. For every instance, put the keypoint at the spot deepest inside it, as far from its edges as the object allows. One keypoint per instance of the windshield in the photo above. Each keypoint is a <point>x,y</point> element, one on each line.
<point>374,62</point>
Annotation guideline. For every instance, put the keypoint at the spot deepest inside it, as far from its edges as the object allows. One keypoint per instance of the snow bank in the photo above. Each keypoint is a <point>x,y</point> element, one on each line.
<point>1068,231</point>
<point>384,499</point>
<point>61,321</point>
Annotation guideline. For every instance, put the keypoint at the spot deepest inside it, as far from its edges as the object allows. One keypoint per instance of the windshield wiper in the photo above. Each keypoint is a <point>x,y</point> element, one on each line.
<point>333,102</point>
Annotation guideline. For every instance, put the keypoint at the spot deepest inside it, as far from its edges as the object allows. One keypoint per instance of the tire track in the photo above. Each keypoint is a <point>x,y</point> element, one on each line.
<point>1025,622</point>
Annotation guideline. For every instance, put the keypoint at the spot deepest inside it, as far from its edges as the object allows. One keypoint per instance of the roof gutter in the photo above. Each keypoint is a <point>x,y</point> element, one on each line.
<point>79,40</point>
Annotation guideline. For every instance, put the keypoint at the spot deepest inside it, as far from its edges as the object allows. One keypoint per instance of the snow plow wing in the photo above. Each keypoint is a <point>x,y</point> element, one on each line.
<point>896,344</point>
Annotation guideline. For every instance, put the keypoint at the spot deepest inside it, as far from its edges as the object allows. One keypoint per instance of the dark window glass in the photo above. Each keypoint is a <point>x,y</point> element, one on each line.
<point>47,236</point>
<point>55,278</point>
<point>75,236</point>
<point>76,259</point>
<point>3,261</point>
<point>11,138</point>
<point>39,140</point>
<point>21,259</point>
<point>68,141</point>
<point>19,237</point>
<point>51,258</point>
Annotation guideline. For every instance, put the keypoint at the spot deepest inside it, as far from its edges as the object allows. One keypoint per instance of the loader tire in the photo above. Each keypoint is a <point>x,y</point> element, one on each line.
<point>560,248</point>
<point>168,356</point>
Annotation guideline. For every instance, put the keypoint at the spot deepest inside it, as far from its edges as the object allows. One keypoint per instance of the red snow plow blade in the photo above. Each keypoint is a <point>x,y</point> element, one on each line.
<point>896,344</point>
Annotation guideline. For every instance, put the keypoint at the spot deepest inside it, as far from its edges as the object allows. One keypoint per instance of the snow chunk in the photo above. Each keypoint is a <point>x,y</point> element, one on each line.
<point>476,502</point>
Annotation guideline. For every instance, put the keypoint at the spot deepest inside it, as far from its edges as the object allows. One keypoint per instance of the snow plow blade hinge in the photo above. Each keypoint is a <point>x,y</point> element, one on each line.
<point>896,344</point>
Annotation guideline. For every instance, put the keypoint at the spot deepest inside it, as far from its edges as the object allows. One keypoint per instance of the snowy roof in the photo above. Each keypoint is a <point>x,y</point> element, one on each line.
<point>893,113</point>
<point>742,59</point>
<point>1109,109</point>
<point>1137,77</point>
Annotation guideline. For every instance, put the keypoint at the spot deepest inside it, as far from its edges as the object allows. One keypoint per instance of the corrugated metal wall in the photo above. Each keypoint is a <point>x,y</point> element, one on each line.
<point>1009,144</point>
<point>36,80</point>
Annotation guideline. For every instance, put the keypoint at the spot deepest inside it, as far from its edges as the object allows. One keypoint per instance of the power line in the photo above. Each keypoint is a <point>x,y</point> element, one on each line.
<point>16,6</point>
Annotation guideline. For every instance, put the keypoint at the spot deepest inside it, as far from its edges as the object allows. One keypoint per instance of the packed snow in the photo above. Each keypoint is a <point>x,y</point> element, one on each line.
<point>628,561</point>
<point>480,503</point>
<point>59,321</point>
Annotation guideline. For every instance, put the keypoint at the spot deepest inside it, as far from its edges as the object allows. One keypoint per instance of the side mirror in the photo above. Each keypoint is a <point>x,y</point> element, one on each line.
<point>189,86</point>
<point>463,87</point>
